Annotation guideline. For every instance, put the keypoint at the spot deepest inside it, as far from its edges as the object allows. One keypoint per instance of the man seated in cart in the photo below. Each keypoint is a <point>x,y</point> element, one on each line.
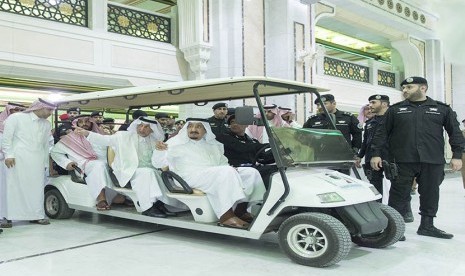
<point>198,158</point>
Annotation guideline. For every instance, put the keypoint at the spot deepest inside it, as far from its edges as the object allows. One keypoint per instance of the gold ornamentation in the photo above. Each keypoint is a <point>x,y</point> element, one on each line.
<point>351,71</point>
<point>65,8</point>
<point>326,66</point>
<point>152,27</point>
<point>123,21</point>
<point>29,3</point>
<point>339,68</point>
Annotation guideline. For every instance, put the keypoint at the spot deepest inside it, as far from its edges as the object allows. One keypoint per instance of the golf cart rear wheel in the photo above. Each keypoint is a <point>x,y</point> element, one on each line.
<point>393,232</point>
<point>314,239</point>
<point>56,206</point>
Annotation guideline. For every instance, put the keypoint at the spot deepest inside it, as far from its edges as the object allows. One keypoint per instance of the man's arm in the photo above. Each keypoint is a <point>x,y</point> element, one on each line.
<point>7,141</point>
<point>356,132</point>
<point>58,153</point>
<point>456,139</point>
<point>379,140</point>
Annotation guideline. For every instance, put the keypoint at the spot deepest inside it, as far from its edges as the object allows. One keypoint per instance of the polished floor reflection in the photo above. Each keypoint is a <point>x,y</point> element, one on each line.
<point>89,244</point>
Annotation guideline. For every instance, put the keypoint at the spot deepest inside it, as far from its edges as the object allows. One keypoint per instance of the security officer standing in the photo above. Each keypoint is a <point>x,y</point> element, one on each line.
<point>347,123</point>
<point>378,105</point>
<point>414,131</point>
<point>217,121</point>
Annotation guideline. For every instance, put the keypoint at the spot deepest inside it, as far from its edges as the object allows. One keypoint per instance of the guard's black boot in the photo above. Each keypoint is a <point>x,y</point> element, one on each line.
<point>161,207</point>
<point>154,212</point>
<point>427,229</point>
<point>408,217</point>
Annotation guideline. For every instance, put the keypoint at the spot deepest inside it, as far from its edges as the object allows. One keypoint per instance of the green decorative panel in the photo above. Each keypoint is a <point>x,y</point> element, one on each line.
<point>386,79</point>
<point>346,70</point>
<point>139,24</point>
<point>72,12</point>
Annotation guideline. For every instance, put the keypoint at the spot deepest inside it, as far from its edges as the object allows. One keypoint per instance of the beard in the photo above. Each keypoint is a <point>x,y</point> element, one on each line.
<point>415,96</point>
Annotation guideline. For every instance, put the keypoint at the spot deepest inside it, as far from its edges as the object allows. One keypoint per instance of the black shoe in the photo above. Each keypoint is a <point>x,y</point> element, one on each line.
<point>402,238</point>
<point>408,217</point>
<point>432,231</point>
<point>154,212</point>
<point>163,209</point>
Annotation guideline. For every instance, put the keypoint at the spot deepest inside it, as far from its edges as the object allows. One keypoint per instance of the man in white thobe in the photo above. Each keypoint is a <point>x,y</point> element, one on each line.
<point>25,145</point>
<point>10,109</point>
<point>198,158</point>
<point>75,150</point>
<point>274,119</point>
<point>133,162</point>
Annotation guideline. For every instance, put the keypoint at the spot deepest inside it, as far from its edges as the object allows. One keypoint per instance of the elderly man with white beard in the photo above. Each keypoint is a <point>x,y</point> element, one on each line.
<point>76,151</point>
<point>133,162</point>
<point>198,158</point>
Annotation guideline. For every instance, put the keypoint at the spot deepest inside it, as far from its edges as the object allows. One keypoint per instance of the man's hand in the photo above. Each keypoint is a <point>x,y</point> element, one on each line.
<point>357,162</point>
<point>10,162</point>
<point>71,166</point>
<point>81,131</point>
<point>159,145</point>
<point>376,163</point>
<point>455,164</point>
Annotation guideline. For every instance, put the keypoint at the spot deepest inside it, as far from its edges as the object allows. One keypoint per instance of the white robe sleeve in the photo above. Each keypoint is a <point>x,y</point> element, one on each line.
<point>103,140</point>
<point>2,156</point>
<point>58,153</point>
<point>8,133</point>
<point>159,158</point>
<point>47,135</point>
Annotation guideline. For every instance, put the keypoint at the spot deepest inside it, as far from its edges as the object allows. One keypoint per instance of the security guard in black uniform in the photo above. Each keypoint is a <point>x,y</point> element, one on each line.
<point>414,130</point>
<point>378,104</point>
<point>217,121</point>
<point>346,122</point>
<point>241,150</point>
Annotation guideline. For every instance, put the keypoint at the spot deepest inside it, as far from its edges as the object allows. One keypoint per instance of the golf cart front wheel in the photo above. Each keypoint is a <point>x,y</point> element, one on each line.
<point>56,206</point>
<point>314,239</point>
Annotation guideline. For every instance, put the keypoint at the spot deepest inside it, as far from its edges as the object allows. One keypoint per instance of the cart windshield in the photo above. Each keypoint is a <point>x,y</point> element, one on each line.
<point>311,146</point>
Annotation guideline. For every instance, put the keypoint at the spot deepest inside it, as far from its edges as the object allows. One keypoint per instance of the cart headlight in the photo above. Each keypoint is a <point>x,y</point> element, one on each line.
<point>330,197</point>
<point>374,190</point>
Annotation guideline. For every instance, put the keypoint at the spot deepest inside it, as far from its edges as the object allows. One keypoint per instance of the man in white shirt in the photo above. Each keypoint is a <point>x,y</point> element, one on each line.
<point>25,145</point>
<point>198,158</point>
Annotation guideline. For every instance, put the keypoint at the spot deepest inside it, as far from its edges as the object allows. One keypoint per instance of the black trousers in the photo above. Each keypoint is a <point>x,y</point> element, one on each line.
<point>429,177</point>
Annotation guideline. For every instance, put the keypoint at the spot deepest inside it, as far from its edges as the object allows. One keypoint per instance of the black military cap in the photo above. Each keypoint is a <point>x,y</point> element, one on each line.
<point>218,105</point>
<point>139,113</point>
<point>161,115</point>
<point>108,120</point>
<point>73,109</point>
<point>324,98</point>
<point>96,113</point>
<point>414,80</point>
<point>232,117</point>
<point>231,111</point>
<point>379,97</point>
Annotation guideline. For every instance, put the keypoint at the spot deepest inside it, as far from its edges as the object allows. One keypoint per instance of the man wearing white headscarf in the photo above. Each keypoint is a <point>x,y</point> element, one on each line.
<point>10,109</point>
<point>25,145</point>
<point>198,158</point>
<point>274,119</point>
<point>75,150</point>
<point>133,162</point>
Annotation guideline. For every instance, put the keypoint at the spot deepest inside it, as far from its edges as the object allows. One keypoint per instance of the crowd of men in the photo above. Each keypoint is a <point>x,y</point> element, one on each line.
<point>403,142</point>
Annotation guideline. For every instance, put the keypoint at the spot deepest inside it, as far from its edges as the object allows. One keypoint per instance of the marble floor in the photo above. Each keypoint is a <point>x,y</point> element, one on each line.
<point>90,244</point>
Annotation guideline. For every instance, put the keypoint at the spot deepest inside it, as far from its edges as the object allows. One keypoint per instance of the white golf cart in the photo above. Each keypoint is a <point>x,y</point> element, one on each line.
<point>317,211</point>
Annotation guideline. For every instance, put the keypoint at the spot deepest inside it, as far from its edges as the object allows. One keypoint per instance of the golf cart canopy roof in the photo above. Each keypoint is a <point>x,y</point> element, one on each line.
<point>198,91</point>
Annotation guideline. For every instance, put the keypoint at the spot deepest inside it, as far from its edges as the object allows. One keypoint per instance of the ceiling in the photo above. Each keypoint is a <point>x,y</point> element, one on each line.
<point>159,6</point>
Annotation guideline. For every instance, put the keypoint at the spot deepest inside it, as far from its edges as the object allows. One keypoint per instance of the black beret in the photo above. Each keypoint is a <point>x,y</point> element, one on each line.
<point>414,80</point>
<point>96,113</point>
<point>139,113</point>
<point>218,105</point>
<point>108,120</point>
<point>324,98</point>
<point>379,97</point>
<point>161,115</point>
<point>232,117</point>
<point>73,109</point>
<point>179,122</point>
<point>231,111</point>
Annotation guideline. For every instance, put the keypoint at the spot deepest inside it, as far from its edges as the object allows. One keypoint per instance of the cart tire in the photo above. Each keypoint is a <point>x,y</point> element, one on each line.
<point>314,239</point>
<point>56,206</point>
<point>394,231</point>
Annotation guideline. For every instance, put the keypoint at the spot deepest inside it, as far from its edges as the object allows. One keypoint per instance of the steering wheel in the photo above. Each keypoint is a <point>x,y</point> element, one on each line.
<point>257,158</point>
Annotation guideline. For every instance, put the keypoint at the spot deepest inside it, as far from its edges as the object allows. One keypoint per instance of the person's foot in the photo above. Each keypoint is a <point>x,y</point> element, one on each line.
<point>434,232</point>
<point>161,207</point>
<point>6,224</point>
<point>408,217</point>
<point>234,222</point>
<point>154,212</point>
<point>40,221</point>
